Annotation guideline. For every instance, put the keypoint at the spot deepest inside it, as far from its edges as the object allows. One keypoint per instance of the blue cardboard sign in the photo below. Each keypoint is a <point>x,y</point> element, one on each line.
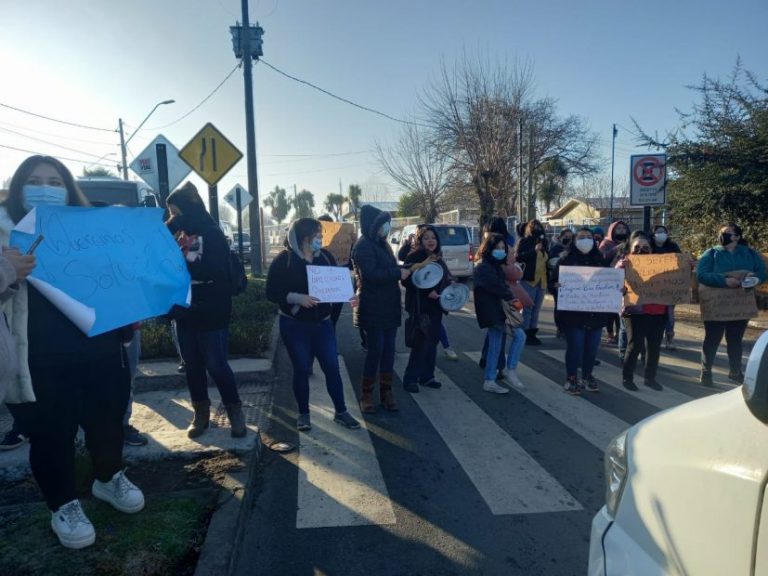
<point>105,267</point>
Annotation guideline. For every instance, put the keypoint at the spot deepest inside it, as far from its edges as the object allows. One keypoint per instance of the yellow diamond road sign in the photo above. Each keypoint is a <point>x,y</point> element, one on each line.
<point>210,154</point>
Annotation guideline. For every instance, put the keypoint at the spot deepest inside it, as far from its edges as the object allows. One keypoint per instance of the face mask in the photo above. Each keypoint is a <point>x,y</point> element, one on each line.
<point>384,230</point>
<point>565,241</point>
<point>660,237</point>
<point>585,245</point>
<point>726,238</point>
<point>43,195</point>
<point>620,236</point>
<point>316,244</point>
<point>499,254</point>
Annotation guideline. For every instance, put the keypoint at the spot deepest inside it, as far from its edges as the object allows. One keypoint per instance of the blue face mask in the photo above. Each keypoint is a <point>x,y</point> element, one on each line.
<point>499,254</point>
<point>385,228</point>
<point>43,195</point>
<point>317,243</point>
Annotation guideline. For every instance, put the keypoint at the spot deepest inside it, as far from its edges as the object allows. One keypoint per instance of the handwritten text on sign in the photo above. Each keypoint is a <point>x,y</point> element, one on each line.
<point>725,304</point>
<point>589,289</point>
<point>330,283</point>
<point>658,279</point>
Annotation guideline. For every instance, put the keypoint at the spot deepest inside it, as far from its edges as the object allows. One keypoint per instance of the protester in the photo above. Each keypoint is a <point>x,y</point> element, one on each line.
<point>533,251</point>
<point>618,234</point>
<point>203,328</point>
<point>305,323</point>
<point>598,233</point>
<point>66,379</point>
<point>14,268</point>
<point>564,244</point>
<point>378,310</point>
<point>645,330</point>
<point>131,436</point>
<point>725,266</point>
<point>424,302</point>
<point>490,291</point>
<point>662,244</point>
<point>582,329</point>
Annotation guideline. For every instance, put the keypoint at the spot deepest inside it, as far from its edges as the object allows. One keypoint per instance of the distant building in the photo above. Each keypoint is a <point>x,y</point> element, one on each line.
<point>592,211</point>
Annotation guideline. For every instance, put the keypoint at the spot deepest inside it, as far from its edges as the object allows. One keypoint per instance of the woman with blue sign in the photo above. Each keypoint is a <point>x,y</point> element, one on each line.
<point>65,378</point>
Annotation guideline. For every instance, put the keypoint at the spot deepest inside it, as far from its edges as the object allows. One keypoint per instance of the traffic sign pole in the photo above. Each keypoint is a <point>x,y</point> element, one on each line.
<point>213,202</point>
<point>162,173</point>
<point>239,201</point>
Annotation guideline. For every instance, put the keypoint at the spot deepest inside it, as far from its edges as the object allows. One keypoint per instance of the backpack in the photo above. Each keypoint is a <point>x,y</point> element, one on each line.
<point>239,281</point>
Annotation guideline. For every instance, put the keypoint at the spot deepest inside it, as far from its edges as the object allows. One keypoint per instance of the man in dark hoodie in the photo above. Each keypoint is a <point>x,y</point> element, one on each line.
<point>203,329</point>
<point>378,311</point>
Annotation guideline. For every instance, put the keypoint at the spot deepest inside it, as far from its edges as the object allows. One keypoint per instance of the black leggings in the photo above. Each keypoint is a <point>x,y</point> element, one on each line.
<point>643,331</point>
<point>713,334</point>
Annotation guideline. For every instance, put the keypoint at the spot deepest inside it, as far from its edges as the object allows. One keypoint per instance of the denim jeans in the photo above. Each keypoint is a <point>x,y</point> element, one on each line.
<point>133,351</point>
<point>670,327</point>
<point>444,336</point>
<point>304,342</point>
<point>380,358</point>
<point>581,350</point>
<point>713,334</point>
<point>502,359</point>
<point>531,314</point>
<point>207,351</point>
<point>494,336</point>
<point>515,348</point>
<point>421,362</point>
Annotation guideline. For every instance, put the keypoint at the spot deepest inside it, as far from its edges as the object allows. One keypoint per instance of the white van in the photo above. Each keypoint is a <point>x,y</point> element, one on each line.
<point>455,243</point>
<point>111,191</point>
<point>686,488</point>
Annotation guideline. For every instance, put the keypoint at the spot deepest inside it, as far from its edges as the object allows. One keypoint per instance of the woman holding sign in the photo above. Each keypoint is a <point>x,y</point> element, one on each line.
<point>582,329</point>
<point>305,322</point>
<point>731,265</point>
<point>66,379</point>
<point>645,326</point>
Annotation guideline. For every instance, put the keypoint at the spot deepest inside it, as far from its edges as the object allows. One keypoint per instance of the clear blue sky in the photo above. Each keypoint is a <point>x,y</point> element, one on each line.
<point>92,62</point>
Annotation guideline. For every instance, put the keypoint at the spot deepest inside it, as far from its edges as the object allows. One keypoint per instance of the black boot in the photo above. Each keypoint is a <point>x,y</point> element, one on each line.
<point>236,419</point>
<point>201,420</point>
<point>530,337</point>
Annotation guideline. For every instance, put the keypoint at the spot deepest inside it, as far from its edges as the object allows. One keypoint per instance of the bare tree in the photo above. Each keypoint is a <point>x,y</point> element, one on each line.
<point>419,166</point>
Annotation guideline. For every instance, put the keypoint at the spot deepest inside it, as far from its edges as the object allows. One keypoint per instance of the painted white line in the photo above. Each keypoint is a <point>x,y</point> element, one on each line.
<point>340,481</point>
<point>611,375</point>
<point>591,422</point>
<point>507,477</point>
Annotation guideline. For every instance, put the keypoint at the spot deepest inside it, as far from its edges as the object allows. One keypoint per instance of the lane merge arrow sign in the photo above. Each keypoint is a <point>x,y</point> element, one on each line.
<point>210,154</point>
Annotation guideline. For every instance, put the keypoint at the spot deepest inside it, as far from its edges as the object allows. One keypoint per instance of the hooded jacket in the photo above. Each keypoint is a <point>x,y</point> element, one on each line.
<point>588,320</point>
<point>211,272</point>
<point>610,245</point>
<point>715,262</point>
<point>287,277</point>
<point>378,274</point>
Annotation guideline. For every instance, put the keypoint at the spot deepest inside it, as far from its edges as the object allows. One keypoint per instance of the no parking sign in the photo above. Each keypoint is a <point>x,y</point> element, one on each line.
<point>648,180</point>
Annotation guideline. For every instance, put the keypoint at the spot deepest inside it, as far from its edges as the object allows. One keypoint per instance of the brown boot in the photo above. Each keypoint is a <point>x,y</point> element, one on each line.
<point>366,398</point>
<point>385,390</point>
<point>201,420</point>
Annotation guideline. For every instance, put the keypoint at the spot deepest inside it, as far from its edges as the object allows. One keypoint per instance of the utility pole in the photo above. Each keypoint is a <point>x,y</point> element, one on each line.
<point>613,157</point>
<point>531,198</point>
<point>122,149</point>
<point>520,199</point>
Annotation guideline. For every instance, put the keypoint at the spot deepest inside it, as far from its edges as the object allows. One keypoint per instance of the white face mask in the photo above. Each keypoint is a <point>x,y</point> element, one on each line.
<point>584,245</point>
<point>384,230</point>
<point>660,237</point>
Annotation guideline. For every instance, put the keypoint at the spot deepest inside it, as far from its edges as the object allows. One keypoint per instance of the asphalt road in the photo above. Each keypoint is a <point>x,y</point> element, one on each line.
<point>459,481</point>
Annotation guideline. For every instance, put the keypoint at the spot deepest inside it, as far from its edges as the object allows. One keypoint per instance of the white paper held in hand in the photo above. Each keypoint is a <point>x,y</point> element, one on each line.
<point>330,283</point>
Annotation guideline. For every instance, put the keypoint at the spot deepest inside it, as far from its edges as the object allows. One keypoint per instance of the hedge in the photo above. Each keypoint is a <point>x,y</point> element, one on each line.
<point>249,331</point>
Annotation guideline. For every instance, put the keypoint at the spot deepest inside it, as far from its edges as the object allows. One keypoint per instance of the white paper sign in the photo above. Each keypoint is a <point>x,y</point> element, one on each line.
<point>590,289</point>
<point>330,283</point>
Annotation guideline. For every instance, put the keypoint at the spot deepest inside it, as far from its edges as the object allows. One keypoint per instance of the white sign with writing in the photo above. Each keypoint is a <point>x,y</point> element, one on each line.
<point>648,180</point>
<point>330,283</point>
<point>146,164</point>
<point>590,289</point>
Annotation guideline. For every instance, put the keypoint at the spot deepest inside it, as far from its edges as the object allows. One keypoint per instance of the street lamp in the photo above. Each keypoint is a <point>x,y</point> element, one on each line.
<point>124,142</point>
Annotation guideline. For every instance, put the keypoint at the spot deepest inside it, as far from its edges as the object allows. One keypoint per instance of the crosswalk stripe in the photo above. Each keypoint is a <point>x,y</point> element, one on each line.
<point>506,476</point>
<point>611,375</point>
<point>340,480</point>
<point>591,422</point>
<point>692,369</point>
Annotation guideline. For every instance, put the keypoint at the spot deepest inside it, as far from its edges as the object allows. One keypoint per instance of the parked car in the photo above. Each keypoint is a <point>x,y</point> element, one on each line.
<point>685,489</point>
<point>235,247</point>
<point>456,245</point>
<point>111,191</point>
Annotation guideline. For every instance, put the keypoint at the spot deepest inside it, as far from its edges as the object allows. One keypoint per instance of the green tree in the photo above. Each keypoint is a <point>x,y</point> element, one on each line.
<point>354,194</point>
<point>551,177</point>
<point>278,203</point>
<point>304,204</point>
<point>717,166</point>
<point>98,172</point>
<point>333,203</point>
<point>408,204</point>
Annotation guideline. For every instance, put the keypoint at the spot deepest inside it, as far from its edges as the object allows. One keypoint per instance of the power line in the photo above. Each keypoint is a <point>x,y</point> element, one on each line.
<point>99,142</point>
<point>8,130</point>
<point>316,155</point>
<point>58,157</point>
<point>345,100</point>
<point>57,120</point>
<point>203,101</point>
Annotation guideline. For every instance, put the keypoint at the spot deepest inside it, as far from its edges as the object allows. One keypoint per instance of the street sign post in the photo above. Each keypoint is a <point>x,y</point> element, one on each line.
<point>211,155</point>
<point>159,166</point>
<point>236,198</point>
<point>648,180</point>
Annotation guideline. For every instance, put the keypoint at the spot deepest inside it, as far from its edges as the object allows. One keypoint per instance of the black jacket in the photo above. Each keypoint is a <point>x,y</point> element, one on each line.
<point>490,289</point>
<point>668,247</point>
<point>427,305</point>
<point>288,273</point>
<point>526,253</point>
<point>589,320</point>
<point>378,274</point>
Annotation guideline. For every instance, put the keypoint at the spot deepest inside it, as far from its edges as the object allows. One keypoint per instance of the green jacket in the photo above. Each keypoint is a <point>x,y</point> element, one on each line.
<point>715,262</point>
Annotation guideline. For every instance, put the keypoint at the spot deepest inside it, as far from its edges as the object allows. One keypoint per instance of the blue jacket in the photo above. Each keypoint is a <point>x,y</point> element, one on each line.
<point>715,262</point>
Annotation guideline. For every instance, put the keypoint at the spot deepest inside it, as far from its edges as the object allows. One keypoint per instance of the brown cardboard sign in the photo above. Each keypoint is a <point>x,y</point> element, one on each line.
<point>723,304</point>
<point>658,279</point>
<point>338,239</point>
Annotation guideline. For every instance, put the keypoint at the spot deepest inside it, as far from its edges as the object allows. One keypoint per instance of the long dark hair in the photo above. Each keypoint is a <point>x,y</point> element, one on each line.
<point>14,204</point>
<point>420,231</point>
<point>737,229</point>
<point>488,244</point>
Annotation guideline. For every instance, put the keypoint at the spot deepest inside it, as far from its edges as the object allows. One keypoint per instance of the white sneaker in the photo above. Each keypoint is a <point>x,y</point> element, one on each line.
<point>491,386</point>
<point>72,527</point>
<point>123,494</point>
<point>511,378</point>
<point>451,354</point>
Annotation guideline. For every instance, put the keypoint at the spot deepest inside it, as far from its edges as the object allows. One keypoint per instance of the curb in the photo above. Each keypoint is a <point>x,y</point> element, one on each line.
<point>220,550</point>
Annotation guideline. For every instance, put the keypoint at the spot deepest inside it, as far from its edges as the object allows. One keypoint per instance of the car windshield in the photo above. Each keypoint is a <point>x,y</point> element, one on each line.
<point>453,235</point>
<point>246,237</point>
